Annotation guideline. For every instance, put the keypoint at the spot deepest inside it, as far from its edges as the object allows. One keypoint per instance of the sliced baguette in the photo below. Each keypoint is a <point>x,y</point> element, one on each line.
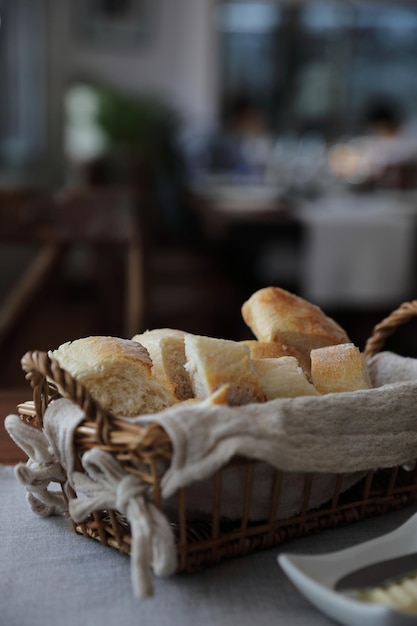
<point>339,368</point>
<point>282,377</point>
<point>167,351</point>
<point>117,373</point>
<point>274,314</point>
<point>212,363</point>
<point>276,349</point>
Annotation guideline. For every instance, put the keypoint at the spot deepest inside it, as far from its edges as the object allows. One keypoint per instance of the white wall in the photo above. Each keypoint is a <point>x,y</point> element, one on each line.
<point>178,61</point>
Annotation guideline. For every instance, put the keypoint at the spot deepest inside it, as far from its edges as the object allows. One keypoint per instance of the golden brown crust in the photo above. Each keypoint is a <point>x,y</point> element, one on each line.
<point>339,368</point>
<point>118,374</point>
<point>96,349</point>
<point>274,314</point>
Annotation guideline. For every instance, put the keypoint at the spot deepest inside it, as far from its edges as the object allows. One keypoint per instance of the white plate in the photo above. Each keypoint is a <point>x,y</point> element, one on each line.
<point>315,577</point>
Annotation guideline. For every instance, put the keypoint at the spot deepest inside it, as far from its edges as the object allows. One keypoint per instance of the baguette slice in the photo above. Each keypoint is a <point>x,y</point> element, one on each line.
<point>282,377</point>
<point>212,363</point>
<point>275,350</point>
<point>274,314</point>
<point>167,351</point>
<point>339,368</point>
<point>117,373</point>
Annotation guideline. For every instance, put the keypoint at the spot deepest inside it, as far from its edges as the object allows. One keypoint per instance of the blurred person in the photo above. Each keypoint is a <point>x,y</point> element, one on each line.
<point>247,129</point>
<point>383,118</point>
<point>244,118</point>
<point>390,144</point>
<point>239,147</point>
<point>384,155</point>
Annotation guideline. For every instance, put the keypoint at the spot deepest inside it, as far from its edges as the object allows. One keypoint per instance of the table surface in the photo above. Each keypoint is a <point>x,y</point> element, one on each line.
<point>49,576</point>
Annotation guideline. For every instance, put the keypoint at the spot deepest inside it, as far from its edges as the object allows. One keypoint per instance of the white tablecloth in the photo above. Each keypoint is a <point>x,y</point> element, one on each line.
<point>359,250</point>
<point>51,577</point>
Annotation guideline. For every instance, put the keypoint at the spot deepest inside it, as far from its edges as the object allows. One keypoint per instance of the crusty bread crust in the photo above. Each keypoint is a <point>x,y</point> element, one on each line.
<point>91,356</point>
<point>274,314</point>
<point>118,374</point>
<point>339,368</point>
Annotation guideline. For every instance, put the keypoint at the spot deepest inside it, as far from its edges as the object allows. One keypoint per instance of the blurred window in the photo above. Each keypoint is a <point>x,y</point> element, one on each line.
<point>314,66</point>
<point>23,78</point>
<point>248,48</point>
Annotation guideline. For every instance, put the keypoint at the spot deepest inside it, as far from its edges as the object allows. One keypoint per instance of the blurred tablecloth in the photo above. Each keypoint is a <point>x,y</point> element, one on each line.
<point>51,577</point>
<point>360,249</point>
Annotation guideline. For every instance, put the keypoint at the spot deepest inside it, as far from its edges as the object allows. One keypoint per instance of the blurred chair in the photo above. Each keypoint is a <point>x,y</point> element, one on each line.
<point>100,220</point>
<point>24,219</point>
<point>141,274</point>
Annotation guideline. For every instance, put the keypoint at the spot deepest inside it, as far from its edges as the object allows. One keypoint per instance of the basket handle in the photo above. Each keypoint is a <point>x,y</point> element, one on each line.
<point>40,370</point>
<point>388,326</point>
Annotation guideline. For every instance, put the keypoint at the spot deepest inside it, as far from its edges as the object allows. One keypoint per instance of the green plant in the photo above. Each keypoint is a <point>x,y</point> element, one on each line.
<point>143,126</point>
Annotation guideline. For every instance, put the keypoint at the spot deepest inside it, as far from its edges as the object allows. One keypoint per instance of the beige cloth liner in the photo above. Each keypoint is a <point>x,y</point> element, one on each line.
<point>340,432</point>
<point>335,433</point>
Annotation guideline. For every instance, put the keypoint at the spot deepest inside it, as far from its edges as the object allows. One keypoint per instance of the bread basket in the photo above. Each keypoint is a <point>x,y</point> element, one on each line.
<point>201,537</point>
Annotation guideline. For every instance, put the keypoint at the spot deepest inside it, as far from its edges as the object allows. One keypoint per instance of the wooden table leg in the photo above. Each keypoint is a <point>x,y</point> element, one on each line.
<point>135,292</point>
<point>27,286</point>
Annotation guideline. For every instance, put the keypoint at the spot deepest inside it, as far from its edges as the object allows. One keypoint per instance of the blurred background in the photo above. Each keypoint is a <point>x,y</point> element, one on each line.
<point>160,160</point>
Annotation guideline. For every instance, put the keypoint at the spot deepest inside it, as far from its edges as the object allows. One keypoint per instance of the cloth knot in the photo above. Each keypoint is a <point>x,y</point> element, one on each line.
<point>39,471</point>
<point>129,489</point>
<point>106,485</point>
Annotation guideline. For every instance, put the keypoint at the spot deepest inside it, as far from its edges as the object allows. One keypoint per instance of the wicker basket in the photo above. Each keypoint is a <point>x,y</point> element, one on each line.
<point>147,450</point>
